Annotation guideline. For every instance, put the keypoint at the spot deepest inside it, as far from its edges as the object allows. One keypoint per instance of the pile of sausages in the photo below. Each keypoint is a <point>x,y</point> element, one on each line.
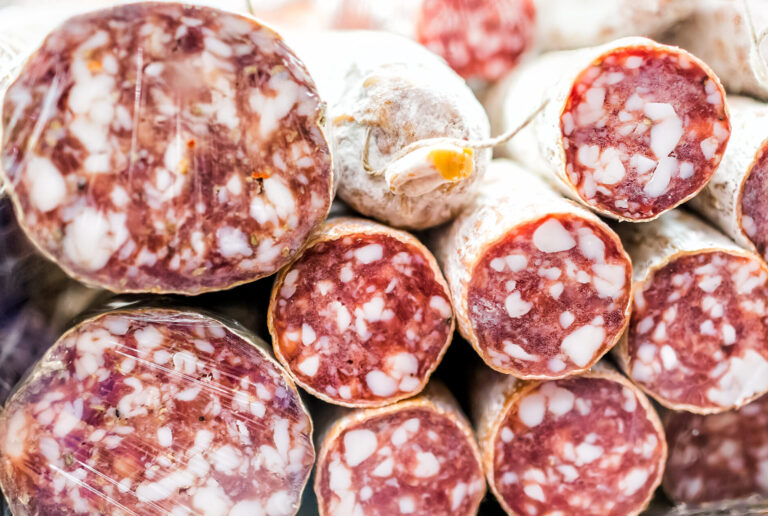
<point>606,260</point>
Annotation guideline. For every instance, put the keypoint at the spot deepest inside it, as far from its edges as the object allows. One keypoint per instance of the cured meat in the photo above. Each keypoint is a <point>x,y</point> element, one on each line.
<point>586,445</point>
<point>363,316</point>
<point>736,199</point>
<point>569,24</point>
<point>631,129</point>
<point>166,148</point>
<point>391,106</point>
<point>540,286</point>
<point>720,33</point>
<point>717,457</point>
<point>698,336</point>
<point>155,411</point>
<point>417,457</point>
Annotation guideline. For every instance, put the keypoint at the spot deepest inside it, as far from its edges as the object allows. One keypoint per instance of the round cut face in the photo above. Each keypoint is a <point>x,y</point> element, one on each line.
<point>754,199</point>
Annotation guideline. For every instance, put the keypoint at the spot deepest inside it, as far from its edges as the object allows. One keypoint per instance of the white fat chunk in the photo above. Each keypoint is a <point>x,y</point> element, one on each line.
<point>427,465</point>
<point>641,163</point>
<point>708,147</point>
<point>515,305</point>
<point>560,400</point>
<point>308,335</point>
<point>232,242</point>
<point>380,384</point>
<point>403,364</point>
<point>280,196</point>
<point>309,366</point>
<point>610,280</point>
<point>661,177</point>
<point>165,436</point>
<point>516,351</point>
<point>582,344</point>
<point>668,357</point>
<point>384,469</point>
<point>591,246</point>
<point>665,135</point>
<point>566,319</point>
<point>516,262</point>
<point>92,237</point>
<point>552,237</point>
<point>358,446</point>
<point>441,306</point>
<point>746,376</point>
<point>535,491</point>
<point>341,477</point>
<point>47,188</point>
<point>633,481</point>
<point>611,169</point>
<point>369,253</point>
<point>587,453</point>
<point>406,505</point>
<point>531,409</point>
<point>457,495</point>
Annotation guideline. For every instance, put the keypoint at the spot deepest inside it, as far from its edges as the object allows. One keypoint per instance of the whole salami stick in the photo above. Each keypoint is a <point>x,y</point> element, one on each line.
<point>540,286</point>
<point>157,147</point>
<point>589,444</point>
<point>155,411</point>
<point>698,336</point>
<point>736,199</point>
<point>418,456</point>
<point>396,112</point>
<point>631,128</point>
<point>362,316</point>
<point>732,37</point>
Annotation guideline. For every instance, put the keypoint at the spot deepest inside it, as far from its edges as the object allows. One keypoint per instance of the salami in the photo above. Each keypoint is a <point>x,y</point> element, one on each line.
<point>733,41</point>
<point>417,457</point>
<point>166,148</point>
<point>717,457</point>
<point>540,285</point>
<point>391,104</point>
<point>698,336</point>
<point>363,316</point>
<point>568,24</point>
<point>631,129</point>
<point>736,198</point>
<point>590,444</point>
<point>155,411</point>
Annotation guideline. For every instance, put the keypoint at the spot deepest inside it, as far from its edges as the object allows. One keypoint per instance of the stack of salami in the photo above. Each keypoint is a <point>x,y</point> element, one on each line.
<point>307,257</point>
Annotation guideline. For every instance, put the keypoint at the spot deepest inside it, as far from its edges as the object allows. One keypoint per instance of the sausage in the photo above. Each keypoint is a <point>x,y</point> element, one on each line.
<point>567,24</point>
<point>157,147</point>
<point>363,315</point>
<point>393,102</point>
<point>717,457</point>
<point>155,411</point>
<point>698,335</point>
<point>735,199</point>
<point>540,286</point>
<point>721,33</point>
<point>631,129</point>
<point>589,444</point>
<point>417,457</point>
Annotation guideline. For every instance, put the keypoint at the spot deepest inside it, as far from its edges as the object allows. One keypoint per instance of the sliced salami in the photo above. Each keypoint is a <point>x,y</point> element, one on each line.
<point>631,129</point>
<point>166,148</point>
<point>155,411</point>
<point>363,316</point>
<point>698,337</point>
<point>717,457</point>
<point>585,445</point>
<point>540,286</point>
<point>390,101</point>
<point>731,41</point>
<point>417,457</point>
<point>736,199</point>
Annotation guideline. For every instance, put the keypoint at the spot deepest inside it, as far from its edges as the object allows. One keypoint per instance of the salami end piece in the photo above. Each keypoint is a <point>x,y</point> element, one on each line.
<point>158,147</point>
<point>363,316</point>
<point>415,457</point>
<point>698,336</point>
<point>155,412</point>
<point>591,444</point>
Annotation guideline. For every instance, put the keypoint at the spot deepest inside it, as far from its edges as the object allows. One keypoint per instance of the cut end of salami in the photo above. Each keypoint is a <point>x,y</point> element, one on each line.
<point>550,297</point>
<point>698,338</point>
<point>403,459</point>
<point>156,147</point>
<point>754,199</point>
<point>363,316</point>
<point>643,130</point>
<point>155,412</point>
<point>717,457</point>
<point>425,169</point>
<point>577,446</point>
<point>481,39</point>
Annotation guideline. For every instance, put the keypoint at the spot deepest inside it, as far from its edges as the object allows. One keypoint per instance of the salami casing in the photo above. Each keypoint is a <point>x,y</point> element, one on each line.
<point>698,336</point>
<point>736,199</point>
<point>386,93</point>
<point>540,286</point>
<point>363,315</point>
<point>586,445</point>
<point>155,411</point>
<point>159,147</point>
<point>733,43</point>
<point>631,128</point>
<point>717,457</point>
<point>417,457</point>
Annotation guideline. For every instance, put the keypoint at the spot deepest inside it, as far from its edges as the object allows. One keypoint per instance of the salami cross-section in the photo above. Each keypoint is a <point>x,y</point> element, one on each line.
<point>363,316</point>
<point>155,412</point>
<point>165,148</point>
<point>589,445</point>
<point>416,457</point>
<point>698,338</point>
<point>631,129</point>
<point>540,285</point>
